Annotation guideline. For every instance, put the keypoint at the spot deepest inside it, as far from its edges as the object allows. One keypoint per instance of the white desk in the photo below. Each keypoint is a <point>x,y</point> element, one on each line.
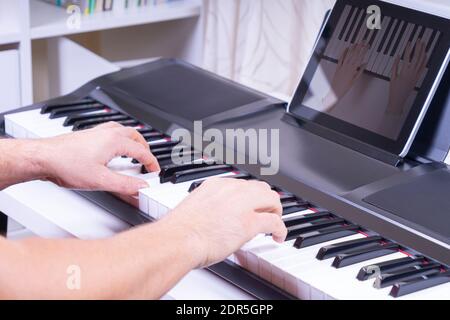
<point>51,212</point>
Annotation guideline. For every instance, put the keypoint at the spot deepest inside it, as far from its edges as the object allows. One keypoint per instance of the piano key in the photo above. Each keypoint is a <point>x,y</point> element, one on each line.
<point>332,251</point>
<point>167,159</point>
<point>273,261</point>
<point>355,27</point>
<point>414,40</point>
<point>374,51</point>
<point>288,197</point>
<point>368,272</point>
<point>321,236</point>
<point>128,122</point>
<point>296,231</point>
<point>331,48</point>
<point>389,55</point>
<point>387,280</point>
<point>433,44</point>
<point>385,57</point>
<point>168,171</point>
<point>364,254</point>
<point>380,62</point>
<point>71,120</point>
<point>240,176</point>
<point>50,108</point>
<point>318,276</point>
<point>95,120</point>
<point>361,29</point>
<point>67,111</point>
<point>195,174</point>
<point>294,221</point>
<point>165,144</point>
<point>295,206</point>
<point>422,283</point>
<point>405,39</point>
<point>342,45</point>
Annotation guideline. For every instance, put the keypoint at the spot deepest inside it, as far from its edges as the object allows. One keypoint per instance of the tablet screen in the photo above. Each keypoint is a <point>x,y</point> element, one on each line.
<point>374,72</point>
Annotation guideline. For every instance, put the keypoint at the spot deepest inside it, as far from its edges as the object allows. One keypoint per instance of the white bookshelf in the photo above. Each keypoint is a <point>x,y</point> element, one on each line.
<point>36,29</point>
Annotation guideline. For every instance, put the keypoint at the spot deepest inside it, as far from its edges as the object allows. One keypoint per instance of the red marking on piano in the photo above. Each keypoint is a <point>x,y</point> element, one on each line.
<point>364,234</point>
<point>406,253</point>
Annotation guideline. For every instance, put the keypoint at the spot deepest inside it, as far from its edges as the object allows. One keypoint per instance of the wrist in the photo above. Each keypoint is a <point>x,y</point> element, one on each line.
<point>32,154</point>
<point>188,239</point>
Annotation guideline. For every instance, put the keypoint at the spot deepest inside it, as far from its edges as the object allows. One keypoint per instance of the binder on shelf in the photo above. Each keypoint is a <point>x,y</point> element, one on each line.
<point>9,80</point>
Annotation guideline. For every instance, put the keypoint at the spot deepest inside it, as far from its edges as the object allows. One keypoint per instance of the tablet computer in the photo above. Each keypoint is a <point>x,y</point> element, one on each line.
<point>374,72</point>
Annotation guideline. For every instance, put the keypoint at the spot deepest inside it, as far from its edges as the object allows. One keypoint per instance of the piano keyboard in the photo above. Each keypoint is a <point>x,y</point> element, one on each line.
<point>385,44</point>
<point>324,257</point>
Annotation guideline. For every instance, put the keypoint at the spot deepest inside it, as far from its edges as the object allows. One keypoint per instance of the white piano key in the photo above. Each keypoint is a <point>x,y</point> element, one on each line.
<point>360,16</point>
<point>388,60</point>
<point>379,37</point>
<point>331,48</point>
<point>342,45</point>
<point>405,39</point>
<point>380,62</point>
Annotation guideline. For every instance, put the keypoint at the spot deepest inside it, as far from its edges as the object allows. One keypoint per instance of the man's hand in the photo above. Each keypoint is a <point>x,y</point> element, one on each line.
<point>223,214</point>
<point>350,68</point>
<point>405,76</point>
<point>79,160</point>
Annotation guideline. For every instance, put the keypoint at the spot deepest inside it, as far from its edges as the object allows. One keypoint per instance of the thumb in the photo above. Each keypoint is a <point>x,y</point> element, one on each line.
<point>122,184</point>
<point>270,223</point>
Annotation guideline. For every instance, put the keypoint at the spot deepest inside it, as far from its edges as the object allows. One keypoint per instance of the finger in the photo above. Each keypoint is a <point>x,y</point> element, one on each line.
<point>408,52</point>
<point>136,150</point>
<point>361,70</point>
<point>343,57</point>
<point>396,68</point>
<point>135,135</point>
<point>417,53</point>
<point>266,200</point>
<point>113,182</point>
<point>269,223</point>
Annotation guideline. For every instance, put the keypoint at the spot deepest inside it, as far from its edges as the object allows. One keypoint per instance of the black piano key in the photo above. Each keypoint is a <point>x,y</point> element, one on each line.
<point>430,42</point>
<point>325,235</point>
<point>344,28</point>
<point>67,111</point>
<point>296,231</point>
<point>90,123</point>
<point>169,150</point>
<point>295,206</point>
<point>288,197</point>
<point>82,117</point>
<point>153,136</point>
<point>411,38</point>
<point>419,284</point>
<point>50,108</point>
<point>299,220</point>
<point>188,153</point>
<point>168,171</point>
<point>162,145</point>
<point>364,254</point>
<point>368,272</point>
<point>352,25</point>
<point>399,40</point>
<point>385,35</point>
<point>337,248</point>
<point>241,176</point>
<point>389,279</point>
<point>361,24</point>
<point>395,28</point>
<point>195,174</point>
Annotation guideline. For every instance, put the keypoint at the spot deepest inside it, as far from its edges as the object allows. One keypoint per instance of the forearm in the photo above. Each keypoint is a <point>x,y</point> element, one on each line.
<point>19,162</point>
<point>143,263</point>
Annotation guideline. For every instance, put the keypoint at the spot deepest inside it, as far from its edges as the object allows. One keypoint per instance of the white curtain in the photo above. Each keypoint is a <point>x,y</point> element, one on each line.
<point>264,44</point>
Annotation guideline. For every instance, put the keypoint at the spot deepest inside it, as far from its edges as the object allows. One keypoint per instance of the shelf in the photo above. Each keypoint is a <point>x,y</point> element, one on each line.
<point>9,37</point>
<point>50,21</point>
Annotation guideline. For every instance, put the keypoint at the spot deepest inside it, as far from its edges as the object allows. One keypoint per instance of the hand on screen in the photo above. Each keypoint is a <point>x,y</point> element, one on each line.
<point>350,68</point>
<point>405,76</point>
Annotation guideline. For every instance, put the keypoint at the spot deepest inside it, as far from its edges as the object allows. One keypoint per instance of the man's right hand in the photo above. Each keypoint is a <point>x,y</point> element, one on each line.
<point>224,214</point>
